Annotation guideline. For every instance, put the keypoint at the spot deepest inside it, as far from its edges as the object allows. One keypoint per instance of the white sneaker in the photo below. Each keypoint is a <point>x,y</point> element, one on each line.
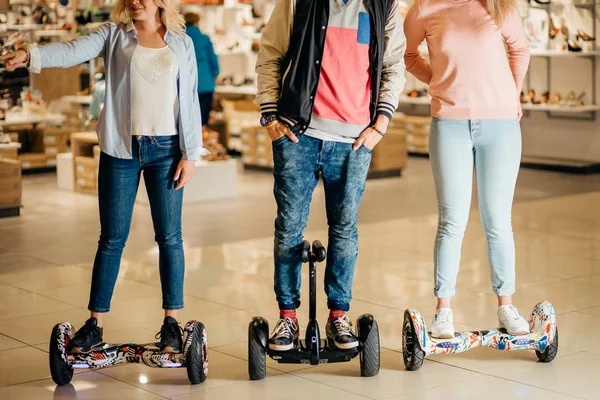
<point>442,326</point>
<point>511,319</point>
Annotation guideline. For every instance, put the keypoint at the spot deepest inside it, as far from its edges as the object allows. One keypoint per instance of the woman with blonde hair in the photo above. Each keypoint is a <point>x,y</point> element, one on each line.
<point>476,110</point>
<point>150,124</point>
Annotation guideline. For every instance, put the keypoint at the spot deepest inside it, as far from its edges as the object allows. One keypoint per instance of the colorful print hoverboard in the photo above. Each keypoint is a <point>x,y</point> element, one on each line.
<point>417,343</point>
<point>194,355</point>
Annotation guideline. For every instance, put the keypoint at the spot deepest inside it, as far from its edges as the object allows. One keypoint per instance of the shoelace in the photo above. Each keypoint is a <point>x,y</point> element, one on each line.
<point>170,331</point>
<point>443,316</point>
<point>343,326</point>
<point>511,313</point>
<point>284,328</point>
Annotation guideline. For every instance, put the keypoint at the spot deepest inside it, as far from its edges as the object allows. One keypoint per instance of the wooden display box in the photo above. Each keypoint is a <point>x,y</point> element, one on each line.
<point>390,155</point>
<point>86,175</point>
<point>256,148</point>
<point>32,160</point>
<point>10,187</point>
<point>239,116</point>
<point>9,154</point>
<point>85,166</point>
<point>417,133</point>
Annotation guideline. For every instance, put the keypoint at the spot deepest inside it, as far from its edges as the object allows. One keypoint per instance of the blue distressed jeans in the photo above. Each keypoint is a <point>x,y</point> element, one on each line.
<point>118,180</point>
<point>297,167</point>
<point>491,147</point>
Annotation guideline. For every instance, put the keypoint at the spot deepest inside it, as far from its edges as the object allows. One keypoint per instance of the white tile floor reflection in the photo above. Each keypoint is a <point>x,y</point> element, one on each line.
<point>558,250</point>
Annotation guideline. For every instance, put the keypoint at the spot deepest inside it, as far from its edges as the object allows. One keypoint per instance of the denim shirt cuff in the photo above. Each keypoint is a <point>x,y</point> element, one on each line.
<point>35,61</point>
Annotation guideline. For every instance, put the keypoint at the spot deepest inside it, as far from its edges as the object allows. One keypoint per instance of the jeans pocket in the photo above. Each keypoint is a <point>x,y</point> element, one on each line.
<point>166,142</point>
<point>279,140</point>
<point>365,148</point>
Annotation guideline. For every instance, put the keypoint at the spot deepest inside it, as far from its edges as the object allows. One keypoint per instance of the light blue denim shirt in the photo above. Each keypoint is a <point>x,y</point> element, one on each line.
<point>116,44</point>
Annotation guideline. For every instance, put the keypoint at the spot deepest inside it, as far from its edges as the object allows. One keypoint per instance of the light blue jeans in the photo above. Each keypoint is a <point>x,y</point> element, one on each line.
<point>493,148</point>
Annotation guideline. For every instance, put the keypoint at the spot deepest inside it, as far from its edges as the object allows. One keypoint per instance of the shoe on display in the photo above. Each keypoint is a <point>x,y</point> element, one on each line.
<point>511,319</point>
<point>171,336</point>
<point>443,324</point>
<point>285,335</point>
<point>339,330</point>
<point>88,336</point>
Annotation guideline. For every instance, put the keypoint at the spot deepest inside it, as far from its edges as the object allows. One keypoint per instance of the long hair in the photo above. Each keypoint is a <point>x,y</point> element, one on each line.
<point>500,9</point>
<point>168,11</point>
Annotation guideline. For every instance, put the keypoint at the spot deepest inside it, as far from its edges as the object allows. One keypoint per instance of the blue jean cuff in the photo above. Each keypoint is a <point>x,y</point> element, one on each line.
<point>338,305</point>
<point>444,294</point>
<point>165,307</point>
<point>289,306</point>
<point>98,310</point>
<point>504,292</point>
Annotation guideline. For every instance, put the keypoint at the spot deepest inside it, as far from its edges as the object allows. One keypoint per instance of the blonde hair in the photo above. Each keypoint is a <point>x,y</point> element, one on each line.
<point>168,10</point>
<point>500,9</point>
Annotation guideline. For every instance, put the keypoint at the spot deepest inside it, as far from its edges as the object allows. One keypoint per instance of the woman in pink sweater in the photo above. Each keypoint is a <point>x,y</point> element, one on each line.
<point>475,107</point>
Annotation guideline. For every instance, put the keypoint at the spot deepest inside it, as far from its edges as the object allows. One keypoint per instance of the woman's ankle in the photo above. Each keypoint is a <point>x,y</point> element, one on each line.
<point>504,301</point>
<point>99,319</point>
<point>443,303</point>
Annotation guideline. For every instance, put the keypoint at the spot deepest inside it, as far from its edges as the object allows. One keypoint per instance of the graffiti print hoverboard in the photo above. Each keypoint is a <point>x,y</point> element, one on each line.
<point>417,343</point>
<point>194,355</point>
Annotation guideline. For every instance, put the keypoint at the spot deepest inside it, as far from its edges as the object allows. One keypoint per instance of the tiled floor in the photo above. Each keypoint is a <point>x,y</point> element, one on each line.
<point>45,268</point>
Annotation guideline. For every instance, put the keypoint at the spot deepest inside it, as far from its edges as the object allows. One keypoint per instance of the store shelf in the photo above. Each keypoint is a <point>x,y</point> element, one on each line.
<point>421,101</point>
<point>556,53</point>
<point>10,146</point>
<point>30,27</point>
<point>577,4</point>
<point>562,109</point>
<point>425,101</point>
<point>52,33</point>
<point>241,90</point>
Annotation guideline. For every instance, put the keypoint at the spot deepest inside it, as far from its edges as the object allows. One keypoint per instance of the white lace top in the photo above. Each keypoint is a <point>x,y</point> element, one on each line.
<point>155,106</point>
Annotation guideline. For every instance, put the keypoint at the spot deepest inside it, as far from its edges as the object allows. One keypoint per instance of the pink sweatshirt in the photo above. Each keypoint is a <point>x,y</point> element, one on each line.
<point>470,75</point>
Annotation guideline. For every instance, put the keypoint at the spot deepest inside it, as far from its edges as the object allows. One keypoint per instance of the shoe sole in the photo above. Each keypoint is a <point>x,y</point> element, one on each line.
<point>281,347</point>
<point>443,336</point>
<point>519,333</point>
<point>342,346</point>
<point>170,349</point>
<point>77,350</point>
<point>346,346</point>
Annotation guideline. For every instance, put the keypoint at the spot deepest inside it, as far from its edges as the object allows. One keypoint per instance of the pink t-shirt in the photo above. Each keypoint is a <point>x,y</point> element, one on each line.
<point>469,73</point>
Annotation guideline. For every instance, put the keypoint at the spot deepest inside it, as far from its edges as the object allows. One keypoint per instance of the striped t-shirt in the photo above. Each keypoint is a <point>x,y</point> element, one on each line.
<point>341,110</point>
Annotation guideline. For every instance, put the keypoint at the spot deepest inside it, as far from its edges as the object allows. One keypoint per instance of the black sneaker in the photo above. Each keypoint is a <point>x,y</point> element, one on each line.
<point>285,335</point>
<point>88,336</point>
<point>339,330</point>
<point>171,336</point>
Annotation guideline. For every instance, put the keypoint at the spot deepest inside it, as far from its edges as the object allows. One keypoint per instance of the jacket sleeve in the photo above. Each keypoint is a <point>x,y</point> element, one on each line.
<point>214,59</point>
<point>71,53</point>
<point>392,75</point>
<point>516,44</point>
<point>414,29</point>
<point>191,136</point>
<point>274,45</point>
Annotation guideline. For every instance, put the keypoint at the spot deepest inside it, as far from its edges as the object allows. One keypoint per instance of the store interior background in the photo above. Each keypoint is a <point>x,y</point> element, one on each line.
<point>49,229</point>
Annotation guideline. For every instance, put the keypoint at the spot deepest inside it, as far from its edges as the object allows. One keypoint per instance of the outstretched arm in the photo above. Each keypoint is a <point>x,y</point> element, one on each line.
<point>62,55</point>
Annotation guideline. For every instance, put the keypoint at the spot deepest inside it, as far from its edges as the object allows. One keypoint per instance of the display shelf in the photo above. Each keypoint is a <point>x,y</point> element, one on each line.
<point>562,109</point>
<point>557,53</point>
<point>247,90</point>
<point>31,27</point>
<point>577,4</point>
<point>426,101</point>
<point>10,146</point>
<point>420,101</point>
<point>52,33</point>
